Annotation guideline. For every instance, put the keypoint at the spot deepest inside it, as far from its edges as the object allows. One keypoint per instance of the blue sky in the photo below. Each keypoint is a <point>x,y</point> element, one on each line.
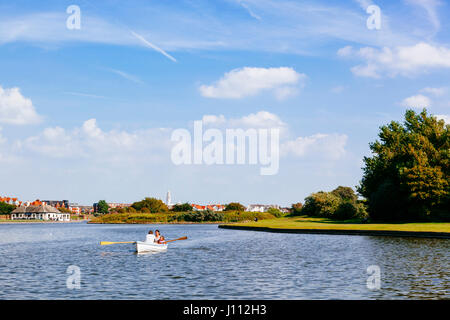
<point>87,114</point>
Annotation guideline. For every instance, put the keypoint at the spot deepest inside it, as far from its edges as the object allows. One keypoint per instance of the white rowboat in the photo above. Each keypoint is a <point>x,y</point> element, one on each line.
<point>149,247</point>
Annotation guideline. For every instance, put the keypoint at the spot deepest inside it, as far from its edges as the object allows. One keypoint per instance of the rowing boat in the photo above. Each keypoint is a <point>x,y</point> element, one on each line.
<point>149,247</point>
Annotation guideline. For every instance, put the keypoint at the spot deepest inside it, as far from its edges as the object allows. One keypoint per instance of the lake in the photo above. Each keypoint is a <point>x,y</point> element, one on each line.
<point>216,264</point>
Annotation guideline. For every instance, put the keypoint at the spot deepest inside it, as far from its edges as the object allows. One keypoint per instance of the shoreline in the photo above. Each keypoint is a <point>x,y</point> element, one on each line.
<point>388,233</point>
<point>186,222</point>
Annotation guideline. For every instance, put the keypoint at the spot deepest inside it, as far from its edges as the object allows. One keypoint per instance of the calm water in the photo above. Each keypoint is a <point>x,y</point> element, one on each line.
<point>216,264</point>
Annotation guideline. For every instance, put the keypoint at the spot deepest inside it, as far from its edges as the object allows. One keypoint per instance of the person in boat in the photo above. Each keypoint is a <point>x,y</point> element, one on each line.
<point>150,238</point>
<point>162,240</point>
<point>157,236</point>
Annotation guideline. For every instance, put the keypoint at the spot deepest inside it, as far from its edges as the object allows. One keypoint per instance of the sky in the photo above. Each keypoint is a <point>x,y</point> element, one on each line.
<point>87,110</point>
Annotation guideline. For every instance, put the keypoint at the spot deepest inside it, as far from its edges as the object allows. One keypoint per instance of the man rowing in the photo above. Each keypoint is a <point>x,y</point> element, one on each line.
<point>154,238</point>
<point>150,238</point>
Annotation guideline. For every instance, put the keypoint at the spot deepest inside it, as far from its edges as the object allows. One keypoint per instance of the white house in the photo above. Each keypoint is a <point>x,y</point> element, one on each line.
<point>261,207</point>
<point>40,212</point>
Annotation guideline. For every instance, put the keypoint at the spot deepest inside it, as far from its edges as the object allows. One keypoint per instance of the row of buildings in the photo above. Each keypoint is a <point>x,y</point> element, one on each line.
<point>53,210</point>
<point>61,210</point>
<point>221,207</point>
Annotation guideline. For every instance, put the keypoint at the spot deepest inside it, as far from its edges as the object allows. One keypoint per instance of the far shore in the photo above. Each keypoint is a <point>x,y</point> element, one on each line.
<point>38,221</point>
<point>162,222</point>
<point>308,225</point>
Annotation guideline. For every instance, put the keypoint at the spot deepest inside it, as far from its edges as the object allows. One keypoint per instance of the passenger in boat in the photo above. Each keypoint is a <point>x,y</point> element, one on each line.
<point>157,235</point>
<point>150,238</point>
<point>162,240</point>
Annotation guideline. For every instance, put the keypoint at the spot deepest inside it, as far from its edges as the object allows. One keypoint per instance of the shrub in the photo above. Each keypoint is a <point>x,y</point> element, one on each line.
<point>182,207</point>
<point>200,216</point>
<point>275,212</point>
<point>6,208</point>
<point>152,204</point>
<point>234,206</point>
<point>346,210</point>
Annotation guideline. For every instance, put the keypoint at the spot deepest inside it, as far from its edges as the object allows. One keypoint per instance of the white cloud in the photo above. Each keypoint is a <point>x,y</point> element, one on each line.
<point>435,91</point>
<point>248,81</point>
<point>418,101</point>
<point>345,51</point>
<point>91,142</point>
<point>401,60</point>
<point>330,146</point>
<point>337,89</point>
<point>15,108</point>
<point>152,46</point>
<point>125,75</point>
<point>430,6</point>
<point>327,146</point>
<point>444,117</point>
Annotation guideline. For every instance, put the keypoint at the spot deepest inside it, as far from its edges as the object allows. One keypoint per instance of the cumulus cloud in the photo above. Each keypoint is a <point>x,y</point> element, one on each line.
<point>401,60</point>
<point>90,141</point>
<point>430,6</point>
<point>418,101</point>
<point>435,91</point>
<point>15,108</point>
<point>249,81</point>
<point>330,146</point>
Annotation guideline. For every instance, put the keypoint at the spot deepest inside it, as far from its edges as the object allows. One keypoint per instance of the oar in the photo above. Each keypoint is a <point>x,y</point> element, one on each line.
<point>105,243</point>
<point>182,238</point>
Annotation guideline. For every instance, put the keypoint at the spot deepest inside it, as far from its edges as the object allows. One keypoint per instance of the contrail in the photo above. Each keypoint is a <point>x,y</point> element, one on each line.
<point>151,45</point>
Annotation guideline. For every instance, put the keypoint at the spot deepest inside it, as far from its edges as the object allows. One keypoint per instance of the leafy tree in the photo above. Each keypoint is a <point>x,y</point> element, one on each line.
<point>407,178</point>
<point>6,208</point>
<point>152,204</point>
<point>296,208</point>
<point>321,204</point>
<point>345,193</point>
<point>184,207</point>
<point>102,207</point>
<point>234,206</point>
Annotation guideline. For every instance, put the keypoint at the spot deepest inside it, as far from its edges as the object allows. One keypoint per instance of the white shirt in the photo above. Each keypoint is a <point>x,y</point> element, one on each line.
<point>150,238</point>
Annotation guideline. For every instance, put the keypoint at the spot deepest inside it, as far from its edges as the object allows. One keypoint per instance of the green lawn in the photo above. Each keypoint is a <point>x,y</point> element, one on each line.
<point>304,222</point>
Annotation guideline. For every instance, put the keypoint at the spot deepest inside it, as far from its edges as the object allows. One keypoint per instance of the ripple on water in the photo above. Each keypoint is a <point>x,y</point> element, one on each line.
<point>216,264</point>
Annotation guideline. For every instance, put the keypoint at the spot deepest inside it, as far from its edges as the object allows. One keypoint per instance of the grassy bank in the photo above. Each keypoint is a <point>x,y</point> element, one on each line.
<point>304,222</point>
<point>180,217</point>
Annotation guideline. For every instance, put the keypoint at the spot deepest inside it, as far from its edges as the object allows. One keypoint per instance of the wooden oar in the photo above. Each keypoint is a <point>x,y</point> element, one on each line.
<point>182,238</point>
<point>105,243</point>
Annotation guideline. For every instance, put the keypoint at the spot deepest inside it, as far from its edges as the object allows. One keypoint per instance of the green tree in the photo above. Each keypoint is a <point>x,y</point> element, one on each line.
<point>6,208</point>
<point>345,193</point>
<point>234,206</point>
<point>184,207</point>
<point>102,207</point>
<point>321,204</point>
<point>407,177</point>
<point>296,208</point>
<point>152,204</point>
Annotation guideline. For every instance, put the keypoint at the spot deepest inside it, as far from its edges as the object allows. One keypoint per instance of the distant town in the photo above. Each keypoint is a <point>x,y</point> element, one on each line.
<point>64,210</point>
